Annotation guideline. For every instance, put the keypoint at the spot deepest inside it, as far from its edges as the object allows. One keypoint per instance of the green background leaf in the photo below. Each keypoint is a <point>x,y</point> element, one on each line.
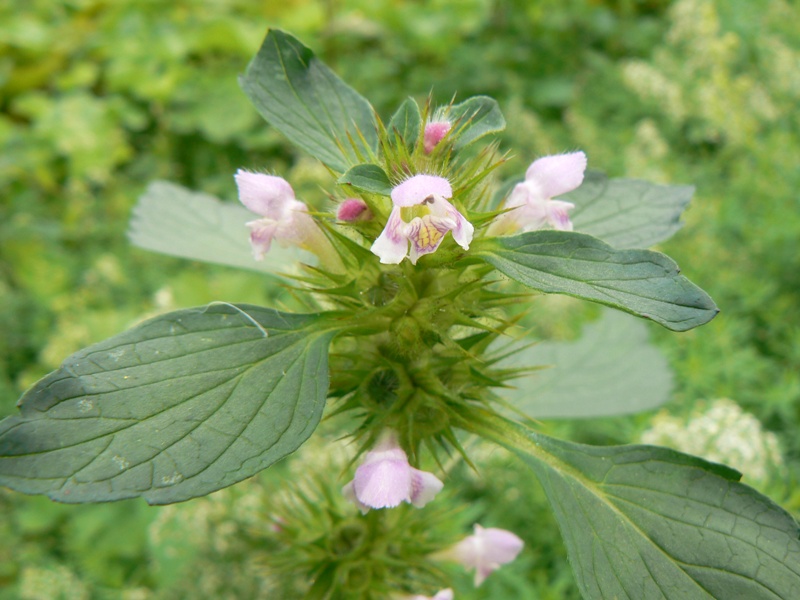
<point>478,116</point>
<point>307,102</point>
<point>407,121</point>
<point>648,522</point>
<point>368,178</point>
<point>640,282</point>
<point>628,213</point>
<point>611,369</point>
<point>177,407</point>
<point>173,220</point>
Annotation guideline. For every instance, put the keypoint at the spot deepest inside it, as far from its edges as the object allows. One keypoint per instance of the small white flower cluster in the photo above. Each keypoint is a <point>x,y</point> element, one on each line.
<point>724,433</point>
<point>57,581</point>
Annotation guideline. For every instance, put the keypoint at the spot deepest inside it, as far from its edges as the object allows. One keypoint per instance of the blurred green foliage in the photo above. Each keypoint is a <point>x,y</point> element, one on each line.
<point>98,97</point>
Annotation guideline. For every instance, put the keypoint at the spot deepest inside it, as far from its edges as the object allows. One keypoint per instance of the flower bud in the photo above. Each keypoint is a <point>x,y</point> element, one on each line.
<point>353,209</point>
<point>435,133</point>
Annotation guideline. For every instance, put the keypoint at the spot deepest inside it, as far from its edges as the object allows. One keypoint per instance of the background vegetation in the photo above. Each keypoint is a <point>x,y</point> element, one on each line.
<point>101,96</point>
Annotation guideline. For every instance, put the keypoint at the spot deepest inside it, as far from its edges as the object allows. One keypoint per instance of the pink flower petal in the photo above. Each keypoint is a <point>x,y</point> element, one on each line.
<point>557,174</point>
<point>558,214</point>
<point>385,479</point>
<point>463,230</point>
<point>424,487</point>
<point>502,546</point>
<point>416,189</point>
<point>262,231</point>
<point>265,195</point>
<point>383,484</point>
<point>392,244</point>
<point>486,550</point>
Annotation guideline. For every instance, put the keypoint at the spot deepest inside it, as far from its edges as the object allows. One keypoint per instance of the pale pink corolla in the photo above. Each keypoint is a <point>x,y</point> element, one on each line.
<point>422,216</point>
<point>446,594</point>
<point>283,217</point>
<point>435,131</point>
<point>533,201</point>
<point>385,479</point>
<point>486,550</point>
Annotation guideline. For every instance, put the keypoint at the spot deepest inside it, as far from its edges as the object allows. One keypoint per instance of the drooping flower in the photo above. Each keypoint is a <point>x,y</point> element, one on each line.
<point>532,201</point>
<point>385,479</point>
<point>446,594</point>
<point>434,133</point>
<point>421,215</point>
<point>284,218</point>
<point>485,551</point>
<point>352,209</point>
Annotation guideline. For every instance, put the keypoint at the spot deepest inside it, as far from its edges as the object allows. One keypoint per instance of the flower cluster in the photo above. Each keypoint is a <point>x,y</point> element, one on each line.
<point>722,433</point>
<point>421,213</point>
<point>422,208</point>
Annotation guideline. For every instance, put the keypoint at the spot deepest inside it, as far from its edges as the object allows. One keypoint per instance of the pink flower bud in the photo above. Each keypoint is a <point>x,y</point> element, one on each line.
<point>434,133</point>
<point>352,209</point>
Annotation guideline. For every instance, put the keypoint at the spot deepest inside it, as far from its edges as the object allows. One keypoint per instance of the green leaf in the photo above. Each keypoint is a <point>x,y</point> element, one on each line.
<point>302,98</point>
<point>173,220</point>
<point>407,122</point>
<point>368,178</point>
<point>476,117</point>
<point>641,282</point>
<point>648,522</point>
<point>179,406</point>
<point>611,369</point>
<point>628,213</point>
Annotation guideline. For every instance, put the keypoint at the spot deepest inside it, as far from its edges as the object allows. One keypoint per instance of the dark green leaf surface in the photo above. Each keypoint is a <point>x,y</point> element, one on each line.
<point>612,369</point>
<point>307,102</point>
<point>641,282</point>
<point>173,220</point>
<point>177,407</point>
<point>642,522</point>
<point>407,121</point>
<point>367,178</point>
<point>477,116</point>
<point>628,213</point>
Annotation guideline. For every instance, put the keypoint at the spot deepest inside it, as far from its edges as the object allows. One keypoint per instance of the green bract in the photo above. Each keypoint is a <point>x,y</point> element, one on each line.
<point>195,400</point>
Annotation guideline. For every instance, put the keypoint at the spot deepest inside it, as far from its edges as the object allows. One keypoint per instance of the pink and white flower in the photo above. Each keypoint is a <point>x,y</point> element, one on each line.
<point>385,479</point>
<point>421,215</point>
<point>486,550</point>
<point>284,218</point>
<point>532,201</point>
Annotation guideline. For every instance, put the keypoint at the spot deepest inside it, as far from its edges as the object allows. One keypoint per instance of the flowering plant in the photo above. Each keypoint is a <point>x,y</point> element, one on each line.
<point>412,293</point>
